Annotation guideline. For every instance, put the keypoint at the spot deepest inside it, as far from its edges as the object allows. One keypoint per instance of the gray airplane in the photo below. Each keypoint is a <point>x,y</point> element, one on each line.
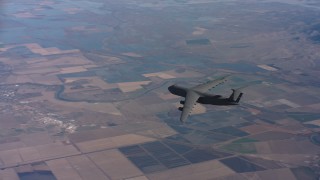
<point>199,94</point>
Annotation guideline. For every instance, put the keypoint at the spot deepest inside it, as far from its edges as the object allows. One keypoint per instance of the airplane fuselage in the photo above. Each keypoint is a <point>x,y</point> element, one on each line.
<point>205,98</point>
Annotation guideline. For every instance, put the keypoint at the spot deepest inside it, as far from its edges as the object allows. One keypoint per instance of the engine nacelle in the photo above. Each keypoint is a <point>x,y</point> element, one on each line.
<point>180,108</point>
<point>182,102</point>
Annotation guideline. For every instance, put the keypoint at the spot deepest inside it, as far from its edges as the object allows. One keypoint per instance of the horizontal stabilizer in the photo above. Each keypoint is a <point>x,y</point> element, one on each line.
<point>236,95</point>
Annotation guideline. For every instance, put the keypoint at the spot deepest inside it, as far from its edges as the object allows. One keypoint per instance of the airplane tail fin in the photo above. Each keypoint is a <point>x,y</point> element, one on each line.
<point>236,95</point>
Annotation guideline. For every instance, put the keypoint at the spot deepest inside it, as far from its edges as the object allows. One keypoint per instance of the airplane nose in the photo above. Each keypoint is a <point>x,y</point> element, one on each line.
<point>172,88</point>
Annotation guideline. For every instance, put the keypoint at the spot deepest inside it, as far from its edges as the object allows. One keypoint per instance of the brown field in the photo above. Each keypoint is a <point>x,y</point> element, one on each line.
<point>70,60</point>
<point>86,168</point>
<point>24,15</point>
<point>84,28</point>
<point>314,122</point>
<point>271,135</point>
<point>95,145</point>
<point>254,111</point>
<point>10,157</point>
<point>107,59</point>
<point>72,69</point>
<point>43,70</point>
<point>36,48</point>
<point>62,169</point>
<point>24,168</point>
<point>29,154</point>
<point>132,107</point>
<point>284,173</point>
<point>45,79</point>
<point>162,75</point>
<point>138,124</point>
<point>55,150</point>
<point>206,170</point>
<point>158,132</point>
<point>315,106</point>
<point>82,136</point>
<point>296,128</point>
<point>93,81</point>
<point>266,67</point>
<point>301,159</point>
<point>112,142</point>
<point>90,66</point>
<point>286,147</point>
<point>173,74</point>
<point>52,50</point>
<point>289,103</point>
<point>138,178</point>
<point>108,108</point>
<point>11,145</point>
<point>115,165</point>
<point>156,108</point>
<point>36,60</point>
<point>254,129</point>
<point>267,164</point>
<point>132,54</point>
<point>185,74</point>
<point>167,96</point>
<point>241,176</point>
<point>41,167</point>
<point>288,89</point>
<point>132,86</point>
<point>8,174</point>
<point>72,10</point>
<point>263,147</point>
<point>199,31</point>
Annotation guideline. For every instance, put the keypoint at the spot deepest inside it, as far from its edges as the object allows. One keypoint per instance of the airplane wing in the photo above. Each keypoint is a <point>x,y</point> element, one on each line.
<point>191,100</point>
<point>210,84</point>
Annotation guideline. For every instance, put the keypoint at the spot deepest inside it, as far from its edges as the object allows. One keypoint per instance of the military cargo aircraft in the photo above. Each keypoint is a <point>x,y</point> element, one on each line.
<point>199,94</point>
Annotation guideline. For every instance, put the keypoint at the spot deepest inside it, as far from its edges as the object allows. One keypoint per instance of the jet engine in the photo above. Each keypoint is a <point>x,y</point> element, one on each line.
<point>180,108</point>
<point>182,102</point>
